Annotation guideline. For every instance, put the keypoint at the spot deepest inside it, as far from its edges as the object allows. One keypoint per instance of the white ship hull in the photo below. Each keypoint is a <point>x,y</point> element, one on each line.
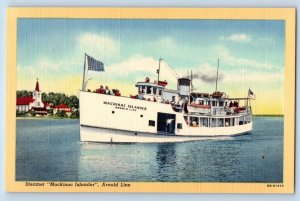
<point>113,119</point>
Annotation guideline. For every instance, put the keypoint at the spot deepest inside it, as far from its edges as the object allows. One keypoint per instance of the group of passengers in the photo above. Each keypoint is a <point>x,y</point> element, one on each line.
<point>107,91</point>
<point>234,104</point>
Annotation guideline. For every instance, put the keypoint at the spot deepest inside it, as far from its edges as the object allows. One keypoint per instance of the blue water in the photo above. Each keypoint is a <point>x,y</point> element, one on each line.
<point>49,150</point>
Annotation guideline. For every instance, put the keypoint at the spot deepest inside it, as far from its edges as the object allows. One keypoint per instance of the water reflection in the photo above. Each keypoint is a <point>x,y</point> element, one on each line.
<point>166,155</point>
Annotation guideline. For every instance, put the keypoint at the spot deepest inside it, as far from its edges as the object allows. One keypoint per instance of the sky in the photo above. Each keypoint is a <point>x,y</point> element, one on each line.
<point>251,55</point>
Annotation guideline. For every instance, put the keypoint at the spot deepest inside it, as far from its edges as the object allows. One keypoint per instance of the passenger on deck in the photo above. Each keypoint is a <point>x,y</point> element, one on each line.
<point>100,90</point>
<point>154,99</point>
<point>117,93</point>
<point>107,90</point>
<point>194,123</point>
<point>140,96</point>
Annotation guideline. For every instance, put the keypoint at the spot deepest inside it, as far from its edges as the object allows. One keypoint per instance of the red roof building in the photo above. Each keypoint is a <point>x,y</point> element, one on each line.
<point>64,107</point>
<point>25,100</point>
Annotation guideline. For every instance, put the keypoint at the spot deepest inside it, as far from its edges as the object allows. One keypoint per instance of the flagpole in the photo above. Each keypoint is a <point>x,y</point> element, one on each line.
<point>217,76</point>
<point>84,69</point>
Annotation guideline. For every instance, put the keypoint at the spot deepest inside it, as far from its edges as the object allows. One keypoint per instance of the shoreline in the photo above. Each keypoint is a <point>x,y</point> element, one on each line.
<point>268,115</point>
<point>44,118</point>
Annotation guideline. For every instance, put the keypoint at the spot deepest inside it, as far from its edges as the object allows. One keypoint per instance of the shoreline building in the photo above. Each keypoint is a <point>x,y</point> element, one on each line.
<point>62,107</point>
<point>32,103</point>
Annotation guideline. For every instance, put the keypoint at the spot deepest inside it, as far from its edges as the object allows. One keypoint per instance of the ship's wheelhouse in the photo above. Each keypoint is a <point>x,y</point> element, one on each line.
<point>156,92</point>
<point>149,91</point>
<point>147,88</point>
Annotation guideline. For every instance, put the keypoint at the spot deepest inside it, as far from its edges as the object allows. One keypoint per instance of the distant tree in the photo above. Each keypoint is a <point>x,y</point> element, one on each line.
<point>50,111</point>
<point>73,102</point>
<point>23,93</point>
<point>75,114</point>
<point>45,97</point>
<point>61,113</point>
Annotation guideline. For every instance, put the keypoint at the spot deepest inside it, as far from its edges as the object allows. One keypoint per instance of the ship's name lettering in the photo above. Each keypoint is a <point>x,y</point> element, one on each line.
<point>124,106</point>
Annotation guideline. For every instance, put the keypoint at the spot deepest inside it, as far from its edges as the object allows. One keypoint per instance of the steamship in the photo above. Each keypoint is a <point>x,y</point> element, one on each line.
<point>158,114</point>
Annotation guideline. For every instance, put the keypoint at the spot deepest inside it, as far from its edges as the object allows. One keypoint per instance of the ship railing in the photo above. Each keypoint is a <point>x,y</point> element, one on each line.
<point>223,111</point>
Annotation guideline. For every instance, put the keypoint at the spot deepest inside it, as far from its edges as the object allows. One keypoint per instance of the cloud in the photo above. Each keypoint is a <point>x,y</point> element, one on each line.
<point>166,41</point>
<point>137,67</point>
<point>136,63</point>
<point>225,56</point>
<point>240,37</point>
<point>100,46</point>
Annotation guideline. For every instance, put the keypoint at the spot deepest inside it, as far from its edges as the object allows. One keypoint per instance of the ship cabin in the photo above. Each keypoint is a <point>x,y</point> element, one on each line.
<point>156,92</point>
<point>217,110</point>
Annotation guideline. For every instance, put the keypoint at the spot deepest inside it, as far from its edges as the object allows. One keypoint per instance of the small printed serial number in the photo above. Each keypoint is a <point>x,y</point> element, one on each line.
<point>275,185</point>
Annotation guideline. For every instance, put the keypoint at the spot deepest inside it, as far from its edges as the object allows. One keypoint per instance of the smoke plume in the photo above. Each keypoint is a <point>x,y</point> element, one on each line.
<point>207,77</point>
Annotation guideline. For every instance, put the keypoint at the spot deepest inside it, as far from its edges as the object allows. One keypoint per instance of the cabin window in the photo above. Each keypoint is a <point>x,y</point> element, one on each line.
<point>179,126</point>
<point>227,122</point>
<point>149,90</point>
<point>213,103</point>
<point>159,92</point>
<point>143,89</point>
<point>173,98</point>
<point>194,121</point>
<point>241,120</point>
<point>213,122</point>
<point>151,123</point>
<point>220,122</point>
<point>221,103</point>
<point>154,90</point>
<point>247,119</point>
<point>204,122</point>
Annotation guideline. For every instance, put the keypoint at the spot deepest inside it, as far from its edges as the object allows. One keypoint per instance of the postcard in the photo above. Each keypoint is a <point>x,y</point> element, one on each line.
<point>172,100</point>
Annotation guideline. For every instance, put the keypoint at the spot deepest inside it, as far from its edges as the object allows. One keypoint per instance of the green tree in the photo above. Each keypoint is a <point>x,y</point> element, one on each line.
<point>61,113</point>
<point>75,114</point>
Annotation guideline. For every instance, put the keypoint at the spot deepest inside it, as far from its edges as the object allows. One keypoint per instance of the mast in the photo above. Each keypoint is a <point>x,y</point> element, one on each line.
<point>158,70</point>
<point>217,76</point>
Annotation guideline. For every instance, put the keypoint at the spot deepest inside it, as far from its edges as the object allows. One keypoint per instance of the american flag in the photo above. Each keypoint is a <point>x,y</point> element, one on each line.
<point>94,65</point>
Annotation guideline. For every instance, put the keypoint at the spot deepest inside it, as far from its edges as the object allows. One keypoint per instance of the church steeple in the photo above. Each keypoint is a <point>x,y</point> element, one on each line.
<point>37,86</point>
<point>37,95</point>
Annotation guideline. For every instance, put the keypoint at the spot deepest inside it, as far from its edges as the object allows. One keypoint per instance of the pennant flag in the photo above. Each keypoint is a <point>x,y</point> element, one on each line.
<point>251,94</point>
<point>94,65</point>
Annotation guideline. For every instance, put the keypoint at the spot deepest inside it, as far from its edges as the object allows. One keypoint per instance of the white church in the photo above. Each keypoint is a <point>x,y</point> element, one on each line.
<point>34,102</point>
